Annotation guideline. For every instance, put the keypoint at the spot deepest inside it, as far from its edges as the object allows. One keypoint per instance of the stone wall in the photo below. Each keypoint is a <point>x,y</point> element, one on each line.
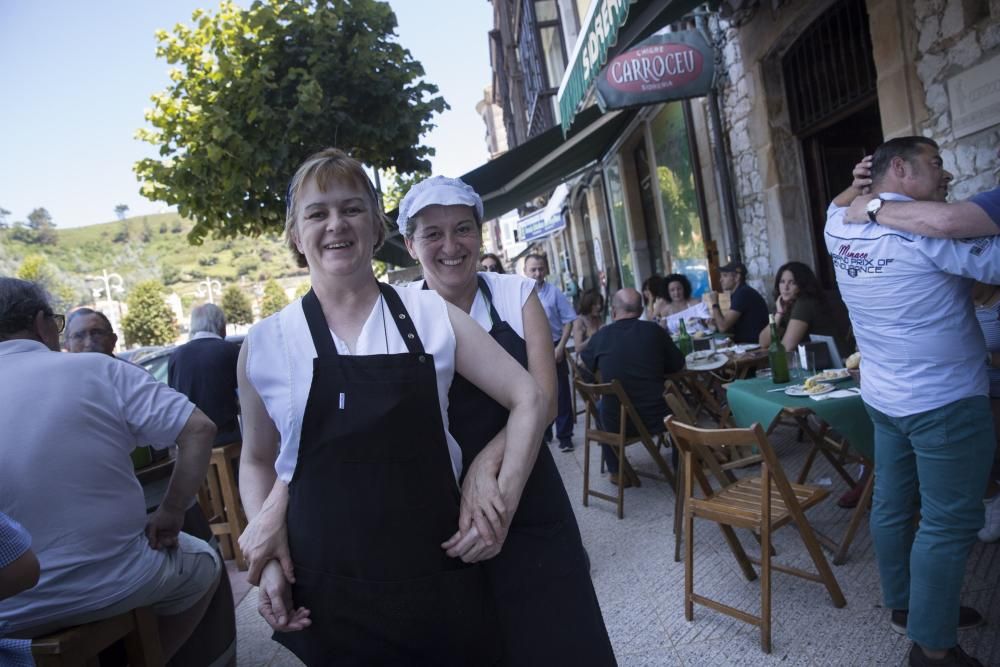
<point>737,93</point>
<point>953,35</point>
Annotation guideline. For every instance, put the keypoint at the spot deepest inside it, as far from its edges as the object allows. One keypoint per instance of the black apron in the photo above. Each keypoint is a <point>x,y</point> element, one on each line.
<point>372,498</point>
<point>549,613</point>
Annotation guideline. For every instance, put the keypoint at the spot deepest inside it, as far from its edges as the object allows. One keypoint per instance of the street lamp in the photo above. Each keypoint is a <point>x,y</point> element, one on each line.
<point>112,284</point>
<point>209,287</point>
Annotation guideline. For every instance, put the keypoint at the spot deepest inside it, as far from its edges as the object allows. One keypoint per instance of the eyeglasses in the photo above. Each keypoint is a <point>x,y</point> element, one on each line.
<point>59,319</point>
<point>92,333</point>
<point>491,268</point>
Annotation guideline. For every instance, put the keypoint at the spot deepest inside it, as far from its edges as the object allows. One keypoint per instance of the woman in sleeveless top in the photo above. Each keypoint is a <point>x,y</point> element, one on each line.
<point>591,319</point>
<point>540,579</point>
<point>345,418</point>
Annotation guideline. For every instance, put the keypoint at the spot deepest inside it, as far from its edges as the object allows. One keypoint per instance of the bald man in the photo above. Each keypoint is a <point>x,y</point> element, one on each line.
<point>640,355</point>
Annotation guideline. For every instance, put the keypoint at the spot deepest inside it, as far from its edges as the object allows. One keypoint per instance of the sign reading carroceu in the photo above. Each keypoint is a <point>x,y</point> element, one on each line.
<point>669,66</point>
<point>655,68</point>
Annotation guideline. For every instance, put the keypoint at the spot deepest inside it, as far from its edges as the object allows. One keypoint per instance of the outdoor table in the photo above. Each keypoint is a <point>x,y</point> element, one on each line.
<point>707,387</point>
<point>757,401</point>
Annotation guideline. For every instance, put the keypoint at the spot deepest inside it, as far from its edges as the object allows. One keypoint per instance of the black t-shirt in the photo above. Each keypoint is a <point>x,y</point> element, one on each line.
<point>639,355</point>
<point>753,314</point>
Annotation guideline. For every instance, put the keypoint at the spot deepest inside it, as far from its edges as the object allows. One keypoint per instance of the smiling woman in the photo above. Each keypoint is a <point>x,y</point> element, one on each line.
<point>540,579</point>
<point>343,395</point>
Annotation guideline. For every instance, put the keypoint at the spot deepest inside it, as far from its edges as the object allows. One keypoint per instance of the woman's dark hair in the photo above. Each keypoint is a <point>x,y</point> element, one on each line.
<point>496,259</point>
<point>678,278</point>
<point>657,286</point>
<point>589,299</point>
<point>805,279</point>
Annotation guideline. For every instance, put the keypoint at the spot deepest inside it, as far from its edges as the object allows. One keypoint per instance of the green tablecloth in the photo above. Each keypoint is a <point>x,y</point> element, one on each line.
<point>750,402</point>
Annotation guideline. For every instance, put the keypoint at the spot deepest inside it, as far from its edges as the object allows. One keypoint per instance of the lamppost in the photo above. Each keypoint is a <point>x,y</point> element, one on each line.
<point>112,284</point>
<point>209,287</point>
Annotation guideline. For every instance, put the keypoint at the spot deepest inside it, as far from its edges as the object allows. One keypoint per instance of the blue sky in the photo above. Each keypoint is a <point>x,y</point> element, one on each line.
<point>75,79</point>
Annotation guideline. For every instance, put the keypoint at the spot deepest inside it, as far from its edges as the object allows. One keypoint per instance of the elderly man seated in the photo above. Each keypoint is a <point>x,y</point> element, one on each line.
<point>639,355</point>
<point>70,422</point>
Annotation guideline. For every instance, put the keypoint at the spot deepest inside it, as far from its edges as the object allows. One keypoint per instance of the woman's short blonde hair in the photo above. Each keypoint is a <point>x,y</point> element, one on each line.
<point>328,166</point>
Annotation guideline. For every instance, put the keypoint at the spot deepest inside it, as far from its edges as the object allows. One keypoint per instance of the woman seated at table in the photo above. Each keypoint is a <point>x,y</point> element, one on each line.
<point>591,318</point>
<point>654,296</point>
<point>344,396</point>
<point>678,295</point>
<point>801,308</point>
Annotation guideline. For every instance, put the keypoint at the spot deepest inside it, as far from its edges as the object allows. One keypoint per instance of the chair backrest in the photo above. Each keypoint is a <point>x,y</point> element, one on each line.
<point>592,394</point>
<point>690,438</point>
<point>830,355</point>
<point>677,404</point>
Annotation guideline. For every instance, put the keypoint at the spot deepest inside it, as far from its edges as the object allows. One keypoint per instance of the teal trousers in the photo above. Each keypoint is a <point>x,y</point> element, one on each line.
<point>936,462</point>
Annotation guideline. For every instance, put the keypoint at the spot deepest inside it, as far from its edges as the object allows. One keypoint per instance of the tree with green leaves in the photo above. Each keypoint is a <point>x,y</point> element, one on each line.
<point>149,320</point>
<point>255,91</point>
<point>121,210</point>
<point>236,305</point>
<point>42,227</point>
<point>37,269</point>
<point>274,298</point>
<point>303,289</point>
<point>3,218</point>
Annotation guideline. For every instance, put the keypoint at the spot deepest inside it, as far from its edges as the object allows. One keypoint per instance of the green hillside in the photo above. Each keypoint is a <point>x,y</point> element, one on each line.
<point>153,246</point>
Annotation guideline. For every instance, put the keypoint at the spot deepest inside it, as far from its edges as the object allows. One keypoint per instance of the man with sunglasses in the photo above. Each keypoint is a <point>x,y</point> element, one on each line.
<point>89,330</point>
<point>70,423</point>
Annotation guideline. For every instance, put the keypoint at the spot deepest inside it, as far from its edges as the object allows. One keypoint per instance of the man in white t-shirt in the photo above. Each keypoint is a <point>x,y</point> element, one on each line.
<point>70,422</point>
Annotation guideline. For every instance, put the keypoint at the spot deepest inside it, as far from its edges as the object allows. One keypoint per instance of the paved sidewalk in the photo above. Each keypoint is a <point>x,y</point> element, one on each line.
<point>641,587</point>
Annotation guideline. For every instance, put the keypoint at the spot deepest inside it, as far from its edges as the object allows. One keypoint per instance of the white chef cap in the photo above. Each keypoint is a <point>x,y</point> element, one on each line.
<point>437,190</point>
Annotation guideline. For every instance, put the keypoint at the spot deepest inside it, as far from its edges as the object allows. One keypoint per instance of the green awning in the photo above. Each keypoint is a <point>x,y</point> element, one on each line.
<point>531,169</point>
<point>612,26</point>
<point>540,164</point>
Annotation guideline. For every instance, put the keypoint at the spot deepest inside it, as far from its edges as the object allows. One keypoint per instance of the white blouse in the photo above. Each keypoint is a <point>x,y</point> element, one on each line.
<point>280,354</point>
<point>510,293</point>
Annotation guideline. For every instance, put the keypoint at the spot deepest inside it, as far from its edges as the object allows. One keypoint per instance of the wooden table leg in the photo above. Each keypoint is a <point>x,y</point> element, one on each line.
<point>840,557</point>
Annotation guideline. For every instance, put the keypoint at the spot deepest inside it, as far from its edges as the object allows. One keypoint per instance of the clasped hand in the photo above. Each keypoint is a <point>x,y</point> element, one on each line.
<point>484,515</point>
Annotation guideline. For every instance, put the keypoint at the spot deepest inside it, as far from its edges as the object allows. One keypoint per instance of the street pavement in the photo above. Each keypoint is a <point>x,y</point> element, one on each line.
<point>640,587</point>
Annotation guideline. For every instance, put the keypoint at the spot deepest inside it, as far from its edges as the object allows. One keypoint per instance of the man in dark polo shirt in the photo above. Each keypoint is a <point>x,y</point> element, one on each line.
<point>638,354</point>
<point>747,314</point>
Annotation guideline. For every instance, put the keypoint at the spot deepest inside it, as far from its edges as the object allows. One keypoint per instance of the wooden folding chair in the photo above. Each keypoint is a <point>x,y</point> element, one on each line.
<point>219,498</point>
<point>762,504</point>
<point>720,466</point>
<point>80,645</point>
<point>619,440</point>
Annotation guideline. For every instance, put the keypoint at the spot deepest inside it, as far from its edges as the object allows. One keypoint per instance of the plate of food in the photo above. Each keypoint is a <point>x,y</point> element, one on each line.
<point>705,360</point>
<point>831,375</point>
<point>809,388</point>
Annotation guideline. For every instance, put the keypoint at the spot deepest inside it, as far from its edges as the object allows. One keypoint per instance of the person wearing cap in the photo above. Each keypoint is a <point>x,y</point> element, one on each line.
<point>747,309</point>
<point>345,404</point>
<point>549,613</point>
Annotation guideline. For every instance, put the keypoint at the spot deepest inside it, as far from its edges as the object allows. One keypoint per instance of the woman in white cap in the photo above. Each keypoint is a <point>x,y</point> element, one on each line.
<point>344,397</point>
<point>549,613</point>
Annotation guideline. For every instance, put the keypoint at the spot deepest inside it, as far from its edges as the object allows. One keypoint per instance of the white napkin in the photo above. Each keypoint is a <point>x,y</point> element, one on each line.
<point>840,393</point>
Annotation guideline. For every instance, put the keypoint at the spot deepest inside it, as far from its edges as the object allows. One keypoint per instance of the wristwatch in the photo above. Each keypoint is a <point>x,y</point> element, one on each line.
<point>873,207</point>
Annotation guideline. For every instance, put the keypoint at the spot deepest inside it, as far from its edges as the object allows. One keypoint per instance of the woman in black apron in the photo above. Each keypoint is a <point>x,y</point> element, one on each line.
<point>373,494</point>
<point>549,613</point>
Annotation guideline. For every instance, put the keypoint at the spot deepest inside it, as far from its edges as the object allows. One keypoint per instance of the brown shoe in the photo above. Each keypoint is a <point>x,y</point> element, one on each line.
<point>626,482</point>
